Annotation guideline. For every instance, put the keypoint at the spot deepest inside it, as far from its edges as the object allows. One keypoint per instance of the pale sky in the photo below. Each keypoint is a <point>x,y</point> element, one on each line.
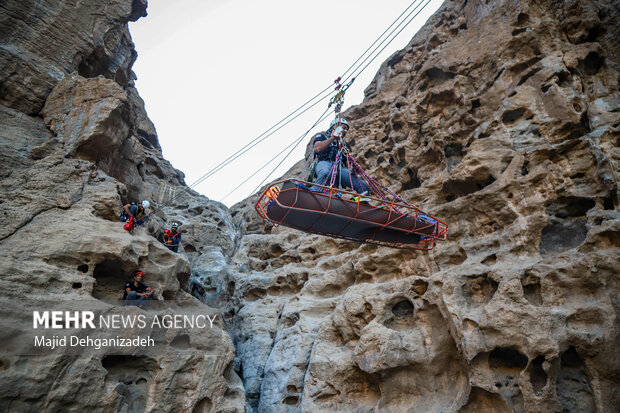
<point>215,74</point>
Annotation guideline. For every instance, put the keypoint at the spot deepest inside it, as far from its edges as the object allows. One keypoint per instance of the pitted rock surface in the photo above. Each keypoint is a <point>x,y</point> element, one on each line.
<point>501,119</point>
<point>77,144</point>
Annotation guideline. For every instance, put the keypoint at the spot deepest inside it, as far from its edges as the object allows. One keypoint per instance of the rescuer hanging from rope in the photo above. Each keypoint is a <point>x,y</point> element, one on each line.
<point>327,148</point>
<point>322,207</point>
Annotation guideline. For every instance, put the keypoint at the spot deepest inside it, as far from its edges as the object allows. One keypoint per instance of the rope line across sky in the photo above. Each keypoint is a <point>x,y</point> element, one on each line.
<point>221,100</point>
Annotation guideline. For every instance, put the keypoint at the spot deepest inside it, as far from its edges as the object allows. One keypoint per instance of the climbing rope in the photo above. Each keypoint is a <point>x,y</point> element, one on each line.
<point>337,100</point>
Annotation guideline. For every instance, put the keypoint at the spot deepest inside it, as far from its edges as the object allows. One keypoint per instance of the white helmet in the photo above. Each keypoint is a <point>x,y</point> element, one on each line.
<point>146,204</point>
<point>343,121</point>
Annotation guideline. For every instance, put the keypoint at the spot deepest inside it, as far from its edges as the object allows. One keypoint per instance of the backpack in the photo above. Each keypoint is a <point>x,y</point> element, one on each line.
<point>130,224</point>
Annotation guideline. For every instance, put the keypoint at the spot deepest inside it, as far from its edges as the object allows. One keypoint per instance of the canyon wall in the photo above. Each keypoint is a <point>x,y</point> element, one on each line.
<point>76,144</point>
<point>501,118</point>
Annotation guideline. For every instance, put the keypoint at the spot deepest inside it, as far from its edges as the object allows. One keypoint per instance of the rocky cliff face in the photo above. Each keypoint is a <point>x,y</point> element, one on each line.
<point>501,118</point>
<point>76,144</point>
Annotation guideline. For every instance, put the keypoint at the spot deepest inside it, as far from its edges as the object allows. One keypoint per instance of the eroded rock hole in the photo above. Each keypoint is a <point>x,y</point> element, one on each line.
<point>522,19</point>
<point>402,316</point>
<point>507,364</point>
<point>479,290</point>
<point>276,250</point>
<point>531,288</point>
<point>608,204</point>
<point>573,384</point>
<point>512,116</point>
<point>152,167</point>
<point>96,64</point>
<point>482,401</point>
<point>538,376</point>
<point>140,168</point>
<point>394,60</point>
<point>592,63</point>
<point>566,228</point>
<point>560,235</point>
<point>291,400</point>
<point>453,154</point>
<point>419,287</point>
<point>564,79</point>
<point>289,320</point>
<point>369,154</point>
<point>254,294</point>
<point>490,260</point>
<point>507,358</point>
<point>570,207</point>
<point>76,286</point>
<point>403,308</point>
<point>203,406</point>
<point>527,76</point>
<point>435,74</point>
<point>413,182</point>
<point>83,268</point>
<point>129,369</point>
<point>459,188</point>
<point>169,295</point>
<point>109,280</point>
<point>183,278</point>
<point>181,342</point>
<point>524,170</point>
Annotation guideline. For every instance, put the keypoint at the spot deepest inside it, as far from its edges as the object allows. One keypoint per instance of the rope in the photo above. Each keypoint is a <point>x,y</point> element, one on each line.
<point>251,144</point>
<point>319,120</point>
<point>380,36</point>
<point>395,36</point>
<point>295,143</point>
<point>275,127</point>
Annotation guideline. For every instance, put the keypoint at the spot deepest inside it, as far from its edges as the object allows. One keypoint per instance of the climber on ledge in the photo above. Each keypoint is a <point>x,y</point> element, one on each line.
<point>172,237</point>
<point>135,211</point>
<point>136,292</point>
<point>325,151</point>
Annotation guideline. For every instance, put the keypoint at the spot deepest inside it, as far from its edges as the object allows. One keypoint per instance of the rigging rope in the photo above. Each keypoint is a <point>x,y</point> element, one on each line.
<point>293,144</point>
<point>321,118</point>
<point>390,34</point>
<point>380,36</point>
<point>252,144</point>
<point>271,130</point>
<point>396,35</point>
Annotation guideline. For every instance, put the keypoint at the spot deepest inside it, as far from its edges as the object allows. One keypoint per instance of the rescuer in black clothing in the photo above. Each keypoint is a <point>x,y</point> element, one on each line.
<point>136,292</point>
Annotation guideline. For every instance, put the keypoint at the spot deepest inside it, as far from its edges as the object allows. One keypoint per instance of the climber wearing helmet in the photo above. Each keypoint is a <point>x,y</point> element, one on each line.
<point>137,211</point>
<point>172,237</point>
<point>325,151</point>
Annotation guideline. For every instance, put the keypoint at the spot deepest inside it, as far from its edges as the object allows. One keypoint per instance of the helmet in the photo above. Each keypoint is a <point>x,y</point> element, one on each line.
<point>174,225</point>
<point>343,121</point>
<point>146,204</point>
